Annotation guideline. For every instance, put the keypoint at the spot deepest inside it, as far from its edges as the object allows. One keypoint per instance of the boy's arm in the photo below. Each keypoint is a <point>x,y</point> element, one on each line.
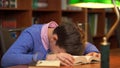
<point>19,52</point>
<point>90,48</point>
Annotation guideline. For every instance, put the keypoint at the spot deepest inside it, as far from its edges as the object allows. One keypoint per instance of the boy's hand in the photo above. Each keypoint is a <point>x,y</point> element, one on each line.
<point>65,58</point>
<point>94,54</point>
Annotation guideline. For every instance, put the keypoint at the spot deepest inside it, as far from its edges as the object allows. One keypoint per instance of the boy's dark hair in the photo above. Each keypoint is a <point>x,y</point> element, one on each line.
<point>70,38</point>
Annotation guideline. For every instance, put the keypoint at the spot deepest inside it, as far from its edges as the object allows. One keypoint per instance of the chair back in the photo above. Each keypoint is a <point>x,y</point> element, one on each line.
<point>5,40</point>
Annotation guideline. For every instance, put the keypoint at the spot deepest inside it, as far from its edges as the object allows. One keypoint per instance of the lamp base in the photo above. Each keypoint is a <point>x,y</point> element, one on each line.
<point>105,50</point>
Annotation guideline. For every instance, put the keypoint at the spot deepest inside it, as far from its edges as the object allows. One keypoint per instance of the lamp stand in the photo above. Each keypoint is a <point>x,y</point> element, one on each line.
<point>105,46</point>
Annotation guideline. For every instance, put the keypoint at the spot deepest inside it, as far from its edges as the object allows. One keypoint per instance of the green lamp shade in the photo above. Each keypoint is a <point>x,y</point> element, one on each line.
<point>93,3</point>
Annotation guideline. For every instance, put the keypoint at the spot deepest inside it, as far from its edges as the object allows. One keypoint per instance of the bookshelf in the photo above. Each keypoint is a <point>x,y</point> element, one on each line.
<point>25,13</point>
<point>104,23</point>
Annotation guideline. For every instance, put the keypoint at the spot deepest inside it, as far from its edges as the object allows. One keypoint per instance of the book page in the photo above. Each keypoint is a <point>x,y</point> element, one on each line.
<point>48,63</point>
<point>85,59</point>
<point>95,60</point>
<point>80,59</point>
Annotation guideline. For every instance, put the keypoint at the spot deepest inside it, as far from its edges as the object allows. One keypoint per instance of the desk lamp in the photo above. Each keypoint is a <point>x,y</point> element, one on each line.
<point>101,4</point>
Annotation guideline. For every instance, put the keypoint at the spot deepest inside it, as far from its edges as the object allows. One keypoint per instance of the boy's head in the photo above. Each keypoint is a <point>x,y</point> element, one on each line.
<point>69,38</point>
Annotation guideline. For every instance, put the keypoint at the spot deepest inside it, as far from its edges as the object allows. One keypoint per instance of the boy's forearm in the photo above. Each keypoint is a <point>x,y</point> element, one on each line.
<point>16,59</point>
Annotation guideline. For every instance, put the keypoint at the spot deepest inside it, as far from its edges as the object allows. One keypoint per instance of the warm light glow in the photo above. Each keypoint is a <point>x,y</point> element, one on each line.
<point>93,5</point>
<point>100,4</point>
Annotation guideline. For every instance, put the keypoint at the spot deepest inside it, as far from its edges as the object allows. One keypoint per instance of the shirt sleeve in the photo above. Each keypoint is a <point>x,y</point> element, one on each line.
<point>17,54</point>
<point>90,48</point>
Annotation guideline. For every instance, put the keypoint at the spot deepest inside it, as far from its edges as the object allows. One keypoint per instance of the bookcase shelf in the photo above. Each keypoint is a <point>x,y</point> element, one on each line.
<point>96,10</point>
<point>11,9</point>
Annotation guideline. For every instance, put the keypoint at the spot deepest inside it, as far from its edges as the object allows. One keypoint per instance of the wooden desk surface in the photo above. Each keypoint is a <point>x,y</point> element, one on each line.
<point>115,58</point>
<point>114,62</point>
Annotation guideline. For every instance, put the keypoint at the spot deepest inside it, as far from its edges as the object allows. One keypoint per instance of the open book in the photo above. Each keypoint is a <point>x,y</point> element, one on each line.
<point>55,63</point>
<point>86,59</point>
<point>78,60</point>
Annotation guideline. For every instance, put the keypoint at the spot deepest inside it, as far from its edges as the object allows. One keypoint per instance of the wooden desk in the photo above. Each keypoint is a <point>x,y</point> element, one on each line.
<point>115,58</point>
<point>114,62</point>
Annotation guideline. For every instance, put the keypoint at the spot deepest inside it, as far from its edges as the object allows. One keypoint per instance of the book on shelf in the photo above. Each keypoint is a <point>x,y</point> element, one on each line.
<point>66,19</point>
<point>5,3</point>
<point>0,3</point>
<point>39,4</point>
<point>9,23</point>
<point>0,22</point>
<point>35,20</point>
<point>108,24</point>
<point>34,4</point>
<point>13,3</point>
<point>13,35</point>
<point>78,60</point>
<point>8,3</point>
<point>64,4</point>
<point>93,20</point>
<point>108,9</point>
<point>42,3</point>
<point>117,33</point>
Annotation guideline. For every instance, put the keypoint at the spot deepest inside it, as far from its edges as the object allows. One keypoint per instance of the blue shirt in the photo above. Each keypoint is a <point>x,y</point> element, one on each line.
<point>29,47</point>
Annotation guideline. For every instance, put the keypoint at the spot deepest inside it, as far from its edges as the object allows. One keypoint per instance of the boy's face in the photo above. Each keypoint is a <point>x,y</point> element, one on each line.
<point>55,48</point>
